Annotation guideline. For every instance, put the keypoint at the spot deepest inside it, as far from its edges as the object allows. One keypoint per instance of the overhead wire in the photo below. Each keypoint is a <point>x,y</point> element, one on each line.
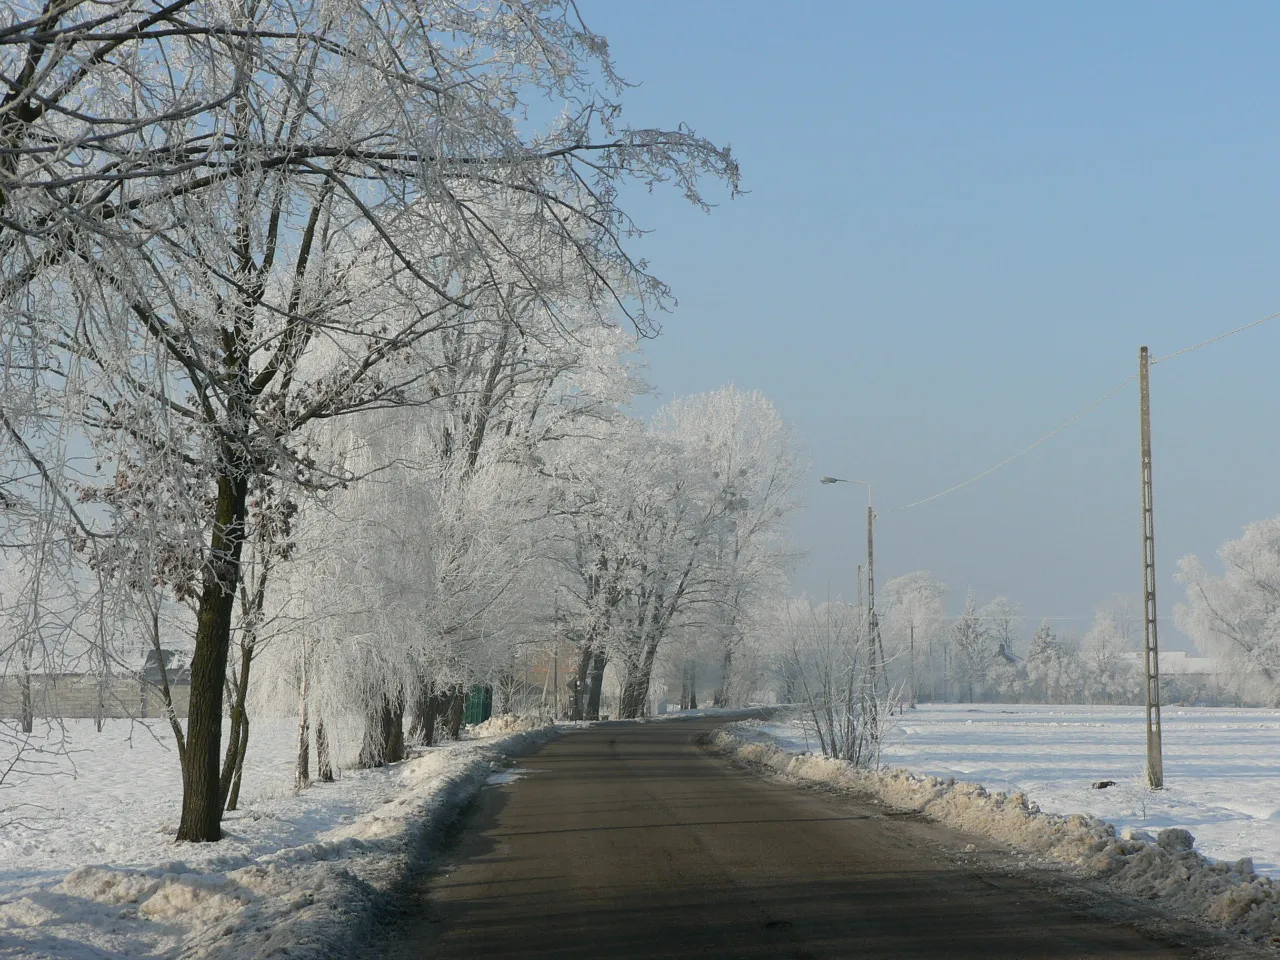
<point>1221,336</point>
<point>1097,403</point>
<point>1028,448</point>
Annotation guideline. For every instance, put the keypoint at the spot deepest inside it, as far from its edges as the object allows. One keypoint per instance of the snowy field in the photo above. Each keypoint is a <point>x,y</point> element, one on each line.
<point>89,869</point>
<point>1221,765</point>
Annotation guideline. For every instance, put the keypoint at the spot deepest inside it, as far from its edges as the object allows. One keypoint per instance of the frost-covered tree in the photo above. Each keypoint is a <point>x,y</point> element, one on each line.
<point>1053,670</point>
<point>972,647</point>
<point>752,455</point>
<point>673,526</point>
<point>323,189</point>
<point>914,618</point>
<point>1235,616</point>
<point>705,538</point>
<point>1107,676</point>
<point>1002,617</point>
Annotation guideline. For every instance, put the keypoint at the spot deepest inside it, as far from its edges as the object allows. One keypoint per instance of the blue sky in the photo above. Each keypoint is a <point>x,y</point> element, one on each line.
<point>963,220</point>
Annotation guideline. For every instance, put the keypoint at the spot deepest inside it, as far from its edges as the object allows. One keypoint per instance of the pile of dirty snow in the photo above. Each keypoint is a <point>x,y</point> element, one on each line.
<point>1164,867</point>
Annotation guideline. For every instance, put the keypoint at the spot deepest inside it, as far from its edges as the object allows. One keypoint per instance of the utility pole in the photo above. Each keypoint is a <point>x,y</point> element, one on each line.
<point>913,661</point>
<point>874,644</point>
<point>860,597</point>
<point>873,624</point>
<point>1155,755</point>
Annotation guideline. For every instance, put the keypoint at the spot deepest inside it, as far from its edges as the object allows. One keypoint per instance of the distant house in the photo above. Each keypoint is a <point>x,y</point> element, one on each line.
<point>1188,679</point>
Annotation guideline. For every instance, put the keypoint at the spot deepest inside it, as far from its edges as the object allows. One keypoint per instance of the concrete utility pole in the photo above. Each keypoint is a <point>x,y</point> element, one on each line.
<point>1155,753</point>
<point>913,660</point>
<point>875,648</point>
<point>873,623</point>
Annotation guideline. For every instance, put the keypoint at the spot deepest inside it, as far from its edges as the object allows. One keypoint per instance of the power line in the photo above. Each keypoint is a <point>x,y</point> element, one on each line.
<point>1107,396</point>
<point>1221,336</point>
<point>1027,449</point>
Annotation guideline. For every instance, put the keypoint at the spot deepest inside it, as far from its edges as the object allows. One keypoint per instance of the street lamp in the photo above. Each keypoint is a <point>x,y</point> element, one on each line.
<point>873,623</point>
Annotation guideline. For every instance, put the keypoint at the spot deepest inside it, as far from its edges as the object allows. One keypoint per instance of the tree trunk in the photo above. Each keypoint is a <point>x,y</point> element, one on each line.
<point>28,718</point>
<point>436,705</point>
<point>422,713</point>
<point>457,704</point>
<point>201,786</point>
<point>633,694</point>
<point>579,684</point>
<point>324,767</point>
<point>635,690</point>
<point>693,685</point>
<point>394,746</point>
<point>239,716</point>
<point>595,684</point>
<point>302,772</point>
<point>721,696</point>
<point>377,735</point>
<point>100,700</point>
<point>233,801</point>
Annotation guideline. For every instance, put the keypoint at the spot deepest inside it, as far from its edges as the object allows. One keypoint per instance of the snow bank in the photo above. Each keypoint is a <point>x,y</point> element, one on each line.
<point>1166,868</point>
<point>312,892</point>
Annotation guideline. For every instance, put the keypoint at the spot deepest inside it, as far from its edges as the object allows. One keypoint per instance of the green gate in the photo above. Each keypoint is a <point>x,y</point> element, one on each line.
<point>479,706</point>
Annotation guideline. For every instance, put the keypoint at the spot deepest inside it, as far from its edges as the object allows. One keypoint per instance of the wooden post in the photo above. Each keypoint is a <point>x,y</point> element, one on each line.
<point>1155,754</point>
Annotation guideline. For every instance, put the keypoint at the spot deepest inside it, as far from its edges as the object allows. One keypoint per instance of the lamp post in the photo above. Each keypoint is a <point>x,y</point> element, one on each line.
<point>873,623</point>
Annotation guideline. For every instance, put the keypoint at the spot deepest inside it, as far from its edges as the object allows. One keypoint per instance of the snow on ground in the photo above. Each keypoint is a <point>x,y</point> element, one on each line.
<point>1023,774</point>
<point>89,868</point>
<point>1221,765</point>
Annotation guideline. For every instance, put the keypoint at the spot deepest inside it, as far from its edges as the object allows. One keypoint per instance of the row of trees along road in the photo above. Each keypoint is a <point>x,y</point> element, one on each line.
<point>285,284</point>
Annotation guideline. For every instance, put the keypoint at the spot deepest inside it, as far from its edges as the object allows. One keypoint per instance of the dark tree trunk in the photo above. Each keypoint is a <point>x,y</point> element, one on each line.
<point>324,766</point>
<point>233,801</point>
<point>693,685</point>
<point>635,690</point>
<point>394,746</point>
<point>426,709</point>
<point>379,735</point>
<point>595,684</point>
<point>201,783</point>
<point>28,718</point>
<point>239,717</point>
<point>578,684</point>
<point>302,772</point>
<point>457,704</point>
<point>437,705</point>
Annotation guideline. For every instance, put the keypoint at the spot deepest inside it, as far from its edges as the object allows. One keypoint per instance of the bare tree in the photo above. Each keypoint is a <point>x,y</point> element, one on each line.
<point>826,656</point>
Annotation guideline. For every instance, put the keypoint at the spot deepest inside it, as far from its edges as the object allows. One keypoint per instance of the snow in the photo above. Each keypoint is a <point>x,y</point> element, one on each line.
<point>1221,782</point>
<point>90,869</point>
<point>1208,845</point>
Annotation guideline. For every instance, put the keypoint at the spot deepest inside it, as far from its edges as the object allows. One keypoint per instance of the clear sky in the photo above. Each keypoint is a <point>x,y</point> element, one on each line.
<point>964,219</point>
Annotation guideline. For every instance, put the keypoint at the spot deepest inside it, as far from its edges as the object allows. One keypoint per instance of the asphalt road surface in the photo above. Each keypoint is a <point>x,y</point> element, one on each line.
<point>628,840</point>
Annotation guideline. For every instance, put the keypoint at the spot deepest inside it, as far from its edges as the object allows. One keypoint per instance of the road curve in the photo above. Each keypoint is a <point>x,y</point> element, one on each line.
<point>628,841</point>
